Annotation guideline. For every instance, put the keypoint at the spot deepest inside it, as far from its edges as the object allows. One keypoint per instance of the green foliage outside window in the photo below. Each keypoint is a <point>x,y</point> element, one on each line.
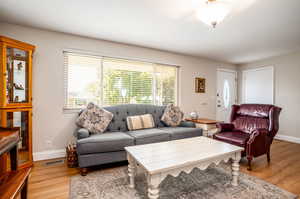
<point>134,87</point>
<point>123,87</point>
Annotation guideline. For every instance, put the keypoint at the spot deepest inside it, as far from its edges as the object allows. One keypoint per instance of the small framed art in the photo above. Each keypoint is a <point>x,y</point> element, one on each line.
<point>199,85</point>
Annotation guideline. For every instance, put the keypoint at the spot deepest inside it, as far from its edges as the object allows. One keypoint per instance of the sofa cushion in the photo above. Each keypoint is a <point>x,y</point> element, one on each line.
<point>106,142</point>
<point>187,124</point>
<point>94,118</point>
<point>146,136</point>
<point>172,115</point>
<point>233,137</point>
<point>182,132</point>
<point>140,122</point>
<point>122,111</point>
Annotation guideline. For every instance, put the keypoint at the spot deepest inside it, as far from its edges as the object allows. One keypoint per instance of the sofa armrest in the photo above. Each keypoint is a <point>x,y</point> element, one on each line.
<point>258,142</point>
<point>223,127</point>
<point>187,124</point>
<point>81,133</point>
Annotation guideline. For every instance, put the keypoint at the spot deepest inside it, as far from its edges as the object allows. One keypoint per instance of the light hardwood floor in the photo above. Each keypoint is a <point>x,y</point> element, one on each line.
<point>52,181</point>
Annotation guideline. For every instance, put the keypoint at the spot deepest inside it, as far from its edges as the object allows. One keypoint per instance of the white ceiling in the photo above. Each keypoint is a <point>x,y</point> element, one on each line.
<point>256,29</point>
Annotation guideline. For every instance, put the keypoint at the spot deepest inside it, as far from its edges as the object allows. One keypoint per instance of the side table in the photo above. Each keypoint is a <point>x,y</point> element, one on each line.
<point>13,182</point>
<point>208,125</point>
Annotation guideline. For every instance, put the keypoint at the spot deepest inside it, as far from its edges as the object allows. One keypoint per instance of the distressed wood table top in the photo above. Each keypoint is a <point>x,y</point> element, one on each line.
<point>160,157</point>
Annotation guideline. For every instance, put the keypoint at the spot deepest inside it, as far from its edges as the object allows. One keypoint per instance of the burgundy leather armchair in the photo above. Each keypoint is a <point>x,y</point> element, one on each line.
<point>252,126</point>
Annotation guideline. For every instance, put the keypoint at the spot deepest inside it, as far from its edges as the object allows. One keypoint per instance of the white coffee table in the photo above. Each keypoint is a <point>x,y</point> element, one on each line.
<point>170,158</point>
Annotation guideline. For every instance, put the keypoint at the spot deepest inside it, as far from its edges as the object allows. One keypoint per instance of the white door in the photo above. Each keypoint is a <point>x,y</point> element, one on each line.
<point>258,86</point>
<point>226,93</point>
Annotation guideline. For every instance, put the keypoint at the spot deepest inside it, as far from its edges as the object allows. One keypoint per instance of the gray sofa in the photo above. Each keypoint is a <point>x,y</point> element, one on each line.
<point>97,149</point>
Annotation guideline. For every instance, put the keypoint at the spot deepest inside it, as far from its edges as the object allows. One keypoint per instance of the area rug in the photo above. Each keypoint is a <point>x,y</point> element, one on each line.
<point>212,183</point>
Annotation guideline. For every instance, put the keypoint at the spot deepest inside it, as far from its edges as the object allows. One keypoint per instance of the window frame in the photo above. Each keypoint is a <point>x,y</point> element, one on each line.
<point>65,52</point>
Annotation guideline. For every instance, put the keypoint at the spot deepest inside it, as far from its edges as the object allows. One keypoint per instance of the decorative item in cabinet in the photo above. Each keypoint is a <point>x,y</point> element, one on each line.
<point>16,70</point>
<point>22,118</point>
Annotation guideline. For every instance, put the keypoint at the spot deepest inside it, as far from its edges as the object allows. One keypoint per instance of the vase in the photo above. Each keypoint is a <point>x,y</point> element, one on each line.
<point>194,115</point>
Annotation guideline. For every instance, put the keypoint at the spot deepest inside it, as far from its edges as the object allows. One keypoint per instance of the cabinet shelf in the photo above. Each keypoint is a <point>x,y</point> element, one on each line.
<point>17,58</point>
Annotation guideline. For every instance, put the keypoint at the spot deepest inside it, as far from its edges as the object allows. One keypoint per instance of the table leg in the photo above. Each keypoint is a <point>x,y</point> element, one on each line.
<point>153,183</point>
<point>205,133</point>
<point>24,190</point>
<point>131,170</point>
<point>235,169</point>
<point>14,158</point>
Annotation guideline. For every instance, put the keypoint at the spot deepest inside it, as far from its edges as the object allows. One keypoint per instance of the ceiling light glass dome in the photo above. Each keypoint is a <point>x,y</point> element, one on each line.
<point>213,12</point>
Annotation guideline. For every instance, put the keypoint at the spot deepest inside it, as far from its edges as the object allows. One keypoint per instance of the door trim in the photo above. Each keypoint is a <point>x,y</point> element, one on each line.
<point>258,69</point>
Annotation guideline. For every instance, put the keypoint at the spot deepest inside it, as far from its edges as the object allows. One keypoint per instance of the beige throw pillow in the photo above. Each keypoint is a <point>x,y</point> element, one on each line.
<point>140,122</point>
<point>172,115</point>
<point>94,118</point>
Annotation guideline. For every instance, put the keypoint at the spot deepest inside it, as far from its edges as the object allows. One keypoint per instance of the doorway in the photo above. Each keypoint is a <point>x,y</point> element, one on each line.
<point>226,93</point>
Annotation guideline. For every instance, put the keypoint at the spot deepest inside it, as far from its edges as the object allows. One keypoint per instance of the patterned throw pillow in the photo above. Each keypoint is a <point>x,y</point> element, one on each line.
<point>94,118</point>
<point>172,115</point>
<point>140,122</point>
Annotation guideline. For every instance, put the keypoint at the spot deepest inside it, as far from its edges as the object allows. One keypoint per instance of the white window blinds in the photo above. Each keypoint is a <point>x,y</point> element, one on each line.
<point>166,84</point>
<point>83,80</point>
<point>110,81</point>
<point>127,82</point>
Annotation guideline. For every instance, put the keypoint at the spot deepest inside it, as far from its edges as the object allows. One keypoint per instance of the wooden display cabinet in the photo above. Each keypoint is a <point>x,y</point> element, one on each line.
<point>21,118</point>
<point>16,73</point>
<point>16,93</point>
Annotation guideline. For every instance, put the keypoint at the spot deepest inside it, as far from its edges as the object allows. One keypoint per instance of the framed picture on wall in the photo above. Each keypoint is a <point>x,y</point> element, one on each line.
<point>199,85</point>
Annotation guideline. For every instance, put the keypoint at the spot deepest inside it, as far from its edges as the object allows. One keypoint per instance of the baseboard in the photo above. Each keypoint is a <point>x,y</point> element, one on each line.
<point>46,155</point>
<point>288,138</point>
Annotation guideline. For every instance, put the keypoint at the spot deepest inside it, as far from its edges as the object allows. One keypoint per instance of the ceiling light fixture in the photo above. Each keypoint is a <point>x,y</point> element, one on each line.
<point>213,12</point>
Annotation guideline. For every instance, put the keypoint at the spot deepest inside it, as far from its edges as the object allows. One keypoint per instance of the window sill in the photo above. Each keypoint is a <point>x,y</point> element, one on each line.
<point>71,110</point>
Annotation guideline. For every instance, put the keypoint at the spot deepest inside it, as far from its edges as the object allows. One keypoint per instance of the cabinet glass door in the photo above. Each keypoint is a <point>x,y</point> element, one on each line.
<point>17,76</point>
<point>19,119</point>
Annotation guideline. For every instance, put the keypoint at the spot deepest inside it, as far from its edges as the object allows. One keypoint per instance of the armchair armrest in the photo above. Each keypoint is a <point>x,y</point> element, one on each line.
<point>258,143</point>
<point>81,133</point>
<point>223,127</point>
<point>187,124</point>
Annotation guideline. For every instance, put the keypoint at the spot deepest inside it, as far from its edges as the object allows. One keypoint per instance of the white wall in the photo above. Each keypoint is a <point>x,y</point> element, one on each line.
<point>287,91</point>
<point>258,85</point>
<point>49,121</point>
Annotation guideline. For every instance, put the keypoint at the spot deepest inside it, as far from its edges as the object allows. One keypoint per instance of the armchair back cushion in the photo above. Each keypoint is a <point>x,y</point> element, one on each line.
<point>254,110</point>
<point>249,117</point>
<point>248,124</point>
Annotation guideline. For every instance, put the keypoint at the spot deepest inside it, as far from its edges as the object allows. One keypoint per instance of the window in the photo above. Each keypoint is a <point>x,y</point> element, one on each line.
<point>110,81</point>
